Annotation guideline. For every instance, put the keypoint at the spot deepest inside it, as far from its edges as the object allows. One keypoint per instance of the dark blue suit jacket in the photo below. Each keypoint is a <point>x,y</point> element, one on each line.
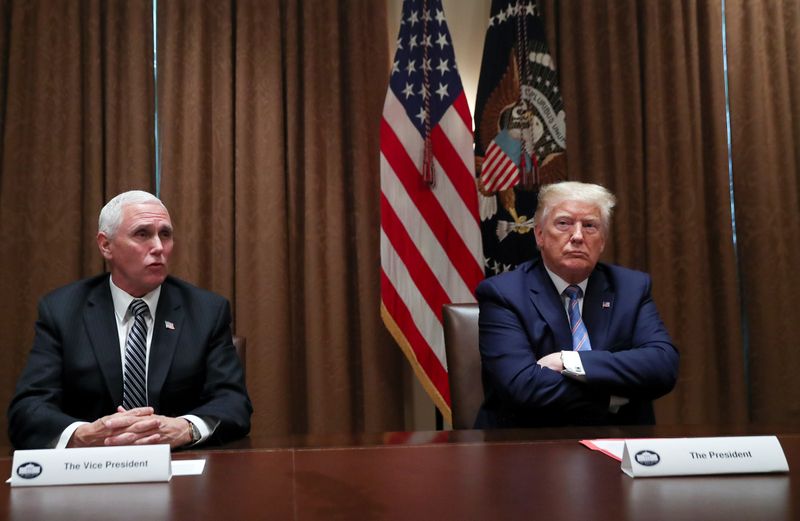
<point>522,319</point>
<point>74,370</point>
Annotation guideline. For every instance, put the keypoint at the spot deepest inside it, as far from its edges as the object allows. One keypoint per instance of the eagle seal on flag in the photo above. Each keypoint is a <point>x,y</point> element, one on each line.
<point>520,137</point>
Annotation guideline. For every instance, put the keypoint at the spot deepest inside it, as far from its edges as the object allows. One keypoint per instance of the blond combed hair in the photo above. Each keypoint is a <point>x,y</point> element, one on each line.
<point>554,194</point>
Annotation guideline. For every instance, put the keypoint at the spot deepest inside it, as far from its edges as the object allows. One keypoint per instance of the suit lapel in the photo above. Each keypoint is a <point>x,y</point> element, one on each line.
<point>549,305</point>
<point>597,308</point>
<point>166,329</point>
<point>101,327</point>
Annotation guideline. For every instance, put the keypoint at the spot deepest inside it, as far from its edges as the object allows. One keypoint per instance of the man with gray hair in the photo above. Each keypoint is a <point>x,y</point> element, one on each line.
<point>566,340</point>
<point>133,356</point>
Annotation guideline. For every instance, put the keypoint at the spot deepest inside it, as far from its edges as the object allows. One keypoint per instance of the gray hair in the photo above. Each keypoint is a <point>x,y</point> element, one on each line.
<point>554,194</point>
<point>111,214</point>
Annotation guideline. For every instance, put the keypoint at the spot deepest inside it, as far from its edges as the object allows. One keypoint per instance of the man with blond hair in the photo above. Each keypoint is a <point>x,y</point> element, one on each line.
<point>565,339</point>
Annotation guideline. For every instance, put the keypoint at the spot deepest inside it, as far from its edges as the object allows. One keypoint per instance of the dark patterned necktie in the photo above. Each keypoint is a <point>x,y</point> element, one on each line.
<point>134,389</point>
<point>580,337</point>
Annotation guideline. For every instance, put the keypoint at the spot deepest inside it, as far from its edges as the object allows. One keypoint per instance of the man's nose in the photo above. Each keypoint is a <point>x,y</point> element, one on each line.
<point>158,246</point>
<point>577,234</point>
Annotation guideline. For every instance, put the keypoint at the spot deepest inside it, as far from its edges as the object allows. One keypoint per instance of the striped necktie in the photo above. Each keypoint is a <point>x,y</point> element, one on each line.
<point>580,337</point>
<point>134,389</point>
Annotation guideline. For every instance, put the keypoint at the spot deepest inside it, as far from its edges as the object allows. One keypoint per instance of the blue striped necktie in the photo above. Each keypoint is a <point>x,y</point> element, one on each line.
<point>580,337</point>
<point>134,389</point>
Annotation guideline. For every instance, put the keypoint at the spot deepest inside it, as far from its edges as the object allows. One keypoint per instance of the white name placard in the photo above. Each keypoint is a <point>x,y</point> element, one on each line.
<point>698,456</point>
<point>91,465</point>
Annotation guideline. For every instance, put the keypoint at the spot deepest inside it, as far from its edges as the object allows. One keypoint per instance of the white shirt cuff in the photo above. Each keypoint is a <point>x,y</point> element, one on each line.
<point>573,367</point>
<point>67,434</point>
<point>616,402</point>
<point>203,426</point>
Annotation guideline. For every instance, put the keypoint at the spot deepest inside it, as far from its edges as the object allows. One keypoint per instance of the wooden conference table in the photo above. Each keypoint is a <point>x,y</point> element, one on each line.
<point>498,475</point>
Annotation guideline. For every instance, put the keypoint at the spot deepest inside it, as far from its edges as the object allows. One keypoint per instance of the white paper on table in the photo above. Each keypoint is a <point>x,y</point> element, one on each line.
<point>611,447</point>
<point>188,467</point>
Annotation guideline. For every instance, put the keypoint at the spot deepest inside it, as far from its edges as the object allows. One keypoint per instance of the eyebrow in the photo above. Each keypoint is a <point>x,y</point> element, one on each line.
<point>149,226</point>
<point>573,217</point>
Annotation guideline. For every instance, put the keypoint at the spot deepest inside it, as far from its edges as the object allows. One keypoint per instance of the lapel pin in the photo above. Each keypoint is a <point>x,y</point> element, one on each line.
<point>169,325</point>
<point>606,304</point>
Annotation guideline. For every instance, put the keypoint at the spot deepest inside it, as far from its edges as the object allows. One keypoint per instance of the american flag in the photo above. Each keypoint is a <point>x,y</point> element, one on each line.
<point>499,170</point>
<point>430,232</point>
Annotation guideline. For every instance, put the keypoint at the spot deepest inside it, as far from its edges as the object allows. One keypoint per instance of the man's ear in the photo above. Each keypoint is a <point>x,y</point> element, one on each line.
<point>537,232</point>
<point>104,244</point>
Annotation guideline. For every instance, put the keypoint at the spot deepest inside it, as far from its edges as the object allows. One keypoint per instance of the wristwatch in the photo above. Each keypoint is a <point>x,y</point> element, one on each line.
<point>195,432</point>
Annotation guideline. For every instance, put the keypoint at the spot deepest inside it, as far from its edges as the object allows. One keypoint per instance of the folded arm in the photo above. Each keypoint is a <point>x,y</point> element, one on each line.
<point>510,360</point>
<point>645,367</point>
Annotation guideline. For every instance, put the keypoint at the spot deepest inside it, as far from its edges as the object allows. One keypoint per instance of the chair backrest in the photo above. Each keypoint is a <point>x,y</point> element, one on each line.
<point>463,362</point>
<point>240,344</point>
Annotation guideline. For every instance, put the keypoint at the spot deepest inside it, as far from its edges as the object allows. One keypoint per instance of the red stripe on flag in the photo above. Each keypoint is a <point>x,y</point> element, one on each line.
<point>420,194</point>
<point>425,280</point>
<point>391,147</point>
<point>461,178</point>
<point>494,156</point>
<point>422,350</point>
<point>508,176</point>
<point>499,171</point>
<point>461,106</point>
<point>492,152</point>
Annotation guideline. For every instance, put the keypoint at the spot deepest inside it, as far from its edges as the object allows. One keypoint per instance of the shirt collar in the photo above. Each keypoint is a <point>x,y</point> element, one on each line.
<point>562,284</point>
<point>122,301</point>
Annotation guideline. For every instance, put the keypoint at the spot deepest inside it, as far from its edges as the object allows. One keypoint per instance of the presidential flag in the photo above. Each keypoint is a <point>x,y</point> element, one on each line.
<point>430,234</point>
<point>520,131</point>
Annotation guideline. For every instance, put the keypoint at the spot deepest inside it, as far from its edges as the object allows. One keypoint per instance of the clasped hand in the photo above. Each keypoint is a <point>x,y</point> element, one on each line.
<point>139,426</point>
<point>552,361</point>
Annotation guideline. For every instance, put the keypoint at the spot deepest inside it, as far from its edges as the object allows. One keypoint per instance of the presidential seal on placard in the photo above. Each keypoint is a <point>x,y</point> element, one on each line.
<point>29,470</point>
<point>648,458</point>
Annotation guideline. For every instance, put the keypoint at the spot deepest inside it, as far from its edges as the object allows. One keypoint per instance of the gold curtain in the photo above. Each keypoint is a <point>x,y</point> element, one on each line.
<point>764,72</point>
<point>76,126</point>
<point>269,117</point>
<point>644,93</point>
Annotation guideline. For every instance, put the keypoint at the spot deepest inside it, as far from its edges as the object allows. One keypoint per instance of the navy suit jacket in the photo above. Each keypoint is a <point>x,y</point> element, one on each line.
<point>74,370</point>
<point>522,319</point>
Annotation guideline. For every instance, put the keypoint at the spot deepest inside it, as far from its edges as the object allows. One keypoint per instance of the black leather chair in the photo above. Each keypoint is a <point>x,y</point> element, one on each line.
<point>463,362</point>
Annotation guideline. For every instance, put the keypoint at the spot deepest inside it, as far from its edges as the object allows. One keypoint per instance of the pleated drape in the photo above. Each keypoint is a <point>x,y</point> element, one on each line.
<point>764,69</point>
<point>643,86</point>
<point>269,116</point>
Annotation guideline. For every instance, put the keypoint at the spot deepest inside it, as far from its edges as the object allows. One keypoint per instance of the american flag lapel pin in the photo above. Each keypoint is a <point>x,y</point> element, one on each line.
<point>606,304</point>
<point>169,325</point>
